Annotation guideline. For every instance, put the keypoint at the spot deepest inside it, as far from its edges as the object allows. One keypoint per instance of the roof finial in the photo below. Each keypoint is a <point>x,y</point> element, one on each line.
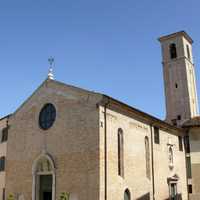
<point>50,74</point>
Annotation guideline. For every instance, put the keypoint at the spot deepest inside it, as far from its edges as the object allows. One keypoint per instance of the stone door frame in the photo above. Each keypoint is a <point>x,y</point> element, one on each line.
<point>173,180</point>
<point>35,174</point>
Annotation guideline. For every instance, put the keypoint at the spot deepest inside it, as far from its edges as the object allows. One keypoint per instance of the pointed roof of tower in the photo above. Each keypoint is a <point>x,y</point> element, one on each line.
<point>180,33</point>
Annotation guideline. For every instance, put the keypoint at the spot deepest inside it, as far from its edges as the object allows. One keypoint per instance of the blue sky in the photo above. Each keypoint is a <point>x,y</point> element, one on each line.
<point>108,46</point>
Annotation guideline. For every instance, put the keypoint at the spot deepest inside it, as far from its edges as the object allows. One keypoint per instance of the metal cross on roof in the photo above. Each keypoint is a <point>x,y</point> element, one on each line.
<point>51,61</point>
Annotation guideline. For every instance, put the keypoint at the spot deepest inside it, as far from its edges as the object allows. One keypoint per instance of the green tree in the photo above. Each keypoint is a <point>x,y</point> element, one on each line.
<point>64,196</point>
<point>10,197</point>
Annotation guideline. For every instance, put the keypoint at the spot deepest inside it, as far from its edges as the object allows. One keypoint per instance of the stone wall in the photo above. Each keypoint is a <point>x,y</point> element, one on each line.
<point>72,142</point>
<point>135,178</point>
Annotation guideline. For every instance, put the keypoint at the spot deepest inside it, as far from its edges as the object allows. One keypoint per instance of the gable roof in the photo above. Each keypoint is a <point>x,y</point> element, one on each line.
<point>5,117</point>
<point>151,120</point>
<point>46,81</point>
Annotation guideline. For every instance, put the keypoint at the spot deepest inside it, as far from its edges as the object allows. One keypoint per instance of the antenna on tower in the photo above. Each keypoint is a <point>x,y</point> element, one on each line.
<point>50,73</point>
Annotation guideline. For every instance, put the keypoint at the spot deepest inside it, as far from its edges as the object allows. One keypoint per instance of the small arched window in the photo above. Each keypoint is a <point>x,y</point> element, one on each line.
<point>127,195</point>
<point>120,153</point>
<point>2,163</point>
<point>173,52</point>
<point>4,136</point>
<point>171,157</point>
<point>147,158</point>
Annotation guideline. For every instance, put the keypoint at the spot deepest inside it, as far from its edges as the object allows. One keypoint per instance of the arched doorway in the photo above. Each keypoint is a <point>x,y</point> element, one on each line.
<point>173,182</point>
<point>43,187</point>
<point>127,195</point>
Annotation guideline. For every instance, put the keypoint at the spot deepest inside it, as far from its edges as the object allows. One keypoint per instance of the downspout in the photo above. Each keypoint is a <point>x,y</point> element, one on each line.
<point>187,181</point>
<point>152,163</point>
<point>105,147</point>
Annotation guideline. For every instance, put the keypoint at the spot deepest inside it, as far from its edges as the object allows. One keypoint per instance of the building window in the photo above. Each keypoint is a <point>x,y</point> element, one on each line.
<point>156,135</point>
<point>4,136</point>
<point>173,53</point>
<point>188,51</point>
<point>188,166</point>
<point>147,156</point>
<point>173,191</point>
<point>179,117</point>
<point>171,157</point>
<point>187,144</point>
<point>4,194</point>
<point>127,195</point>
<point>176,85</point>
<point>2,163</point>
<point>180,143</point>
<point>47,116</point>
<point>120,153</point>
<point>190,189</point>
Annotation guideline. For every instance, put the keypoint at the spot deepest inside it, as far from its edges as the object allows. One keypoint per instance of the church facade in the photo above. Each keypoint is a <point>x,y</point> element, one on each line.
<point>68,143</point>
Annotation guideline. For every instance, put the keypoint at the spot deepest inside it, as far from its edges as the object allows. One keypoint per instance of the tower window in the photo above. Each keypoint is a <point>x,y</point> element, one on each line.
<point>188,51</point>
<point>156,135</point>
<point>174,122</point>
<point>120,153</point>
<point>173,53</point>
<point>176,85</point>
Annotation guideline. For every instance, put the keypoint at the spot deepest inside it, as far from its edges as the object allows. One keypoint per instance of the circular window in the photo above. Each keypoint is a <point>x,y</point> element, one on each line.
<point>47,116</point>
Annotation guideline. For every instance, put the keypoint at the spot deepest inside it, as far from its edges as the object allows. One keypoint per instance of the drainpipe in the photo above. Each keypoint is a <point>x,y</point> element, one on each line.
<point>152,163</point>
<point>105,145</point>
<point>185,144</point>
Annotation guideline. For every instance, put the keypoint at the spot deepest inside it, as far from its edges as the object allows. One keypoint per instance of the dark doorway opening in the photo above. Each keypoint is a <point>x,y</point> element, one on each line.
<point>46,187</point>
<point>47,195</point>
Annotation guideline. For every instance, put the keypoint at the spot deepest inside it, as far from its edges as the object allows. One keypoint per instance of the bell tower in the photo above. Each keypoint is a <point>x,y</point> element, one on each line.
<point>179,77</point>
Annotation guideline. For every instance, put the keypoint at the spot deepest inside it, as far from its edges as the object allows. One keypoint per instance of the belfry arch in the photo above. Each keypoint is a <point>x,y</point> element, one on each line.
<point>43,172</point>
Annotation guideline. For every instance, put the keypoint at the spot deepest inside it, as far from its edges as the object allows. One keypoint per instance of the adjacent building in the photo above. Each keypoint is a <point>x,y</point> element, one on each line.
<point>3,151</point>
